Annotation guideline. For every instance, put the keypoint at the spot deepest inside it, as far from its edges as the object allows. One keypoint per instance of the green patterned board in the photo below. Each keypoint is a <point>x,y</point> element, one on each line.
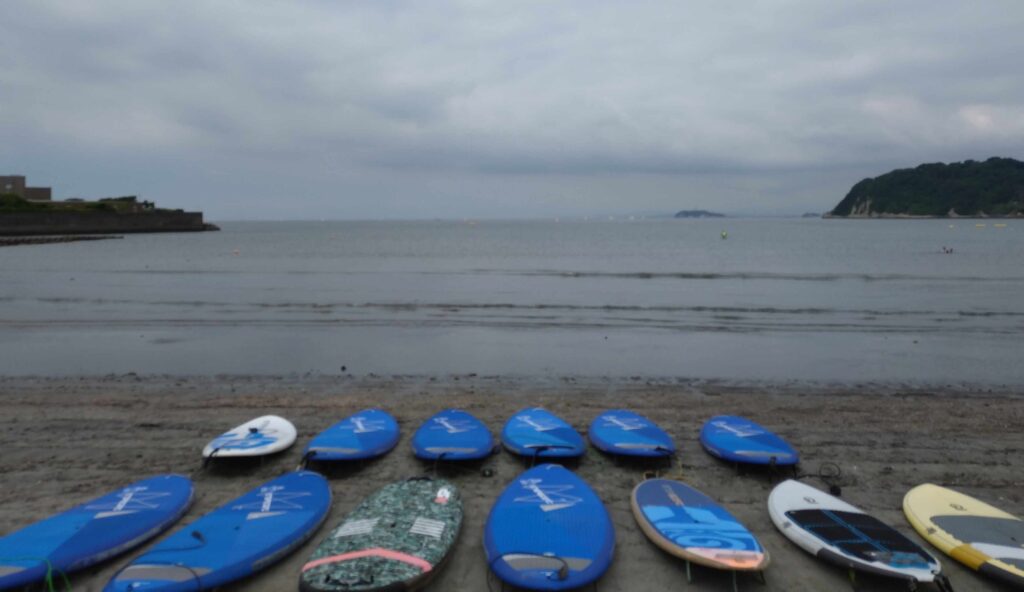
<point>394,540</point>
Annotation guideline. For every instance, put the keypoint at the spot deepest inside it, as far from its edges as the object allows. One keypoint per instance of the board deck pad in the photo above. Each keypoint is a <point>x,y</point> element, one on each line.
<point>396,539</point>
<point>233,541</point>
<point>363,435</point>
<point>690,525</point>
<point>453,435</point>
<point>549,530</point>
<point>626,433</point>
<point>862,536</point>
<point>256,437</point>
<point>737,439</point>
<point>844,535</point>
<point>94,531</point>
<point>979,535</point>
<point>539,433</point>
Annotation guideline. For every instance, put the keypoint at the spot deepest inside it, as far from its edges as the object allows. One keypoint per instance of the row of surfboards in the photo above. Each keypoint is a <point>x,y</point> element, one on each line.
<point>456,435</point>
<point>548,530</point>
<point>678,518</point>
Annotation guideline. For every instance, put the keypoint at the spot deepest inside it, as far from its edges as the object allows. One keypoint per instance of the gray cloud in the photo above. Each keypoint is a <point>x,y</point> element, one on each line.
<point>366,109</point>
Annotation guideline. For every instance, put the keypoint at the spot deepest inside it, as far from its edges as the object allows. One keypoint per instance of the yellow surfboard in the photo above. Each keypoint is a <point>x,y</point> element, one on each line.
<point>984,538</point>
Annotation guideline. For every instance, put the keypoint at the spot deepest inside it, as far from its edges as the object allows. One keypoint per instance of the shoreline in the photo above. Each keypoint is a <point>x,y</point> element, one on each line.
<point>70,439</point>
<point>320,381</point>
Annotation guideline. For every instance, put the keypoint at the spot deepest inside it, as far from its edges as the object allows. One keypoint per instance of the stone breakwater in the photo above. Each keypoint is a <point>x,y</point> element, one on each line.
<point>13,241</point>
<point>53,223</point>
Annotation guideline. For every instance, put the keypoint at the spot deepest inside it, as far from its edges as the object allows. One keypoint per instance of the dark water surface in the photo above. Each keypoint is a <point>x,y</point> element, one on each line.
<point>804,299</point>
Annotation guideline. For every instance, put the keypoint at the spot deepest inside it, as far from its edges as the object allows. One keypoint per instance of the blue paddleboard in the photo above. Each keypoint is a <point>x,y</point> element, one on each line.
<point>690,525</point>
<point>233,541</point>
<point>452,434</point>
<point>740,440</point>
<point>93,531</point>
<point>540,433</point>
<point>549,531</point>
<point>626,433</point>
<point>366,434</point>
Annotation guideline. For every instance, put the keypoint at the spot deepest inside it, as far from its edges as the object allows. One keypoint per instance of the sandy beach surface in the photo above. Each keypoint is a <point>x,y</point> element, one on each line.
<point>66,440</point>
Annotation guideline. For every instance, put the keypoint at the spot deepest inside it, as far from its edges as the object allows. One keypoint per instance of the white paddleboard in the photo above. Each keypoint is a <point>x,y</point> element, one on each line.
<point>837,532</point>
<point>257,437</point>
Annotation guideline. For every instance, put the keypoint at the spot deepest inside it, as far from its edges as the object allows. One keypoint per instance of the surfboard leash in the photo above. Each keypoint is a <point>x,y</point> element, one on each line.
<point>943,584</point>
<point>50,587</point>
<point>830,474</point>
<point>48,580</point>
<point>208,459</point>
<point>440,463</point>
<point>674,460</point>
<point>306,459</point>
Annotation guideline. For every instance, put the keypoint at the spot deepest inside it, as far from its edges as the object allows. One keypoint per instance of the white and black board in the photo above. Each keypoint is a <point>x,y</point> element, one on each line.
<point>840,533</point>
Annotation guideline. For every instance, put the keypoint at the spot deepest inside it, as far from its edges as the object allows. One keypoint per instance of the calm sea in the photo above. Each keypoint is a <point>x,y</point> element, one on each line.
<point>780,299</point>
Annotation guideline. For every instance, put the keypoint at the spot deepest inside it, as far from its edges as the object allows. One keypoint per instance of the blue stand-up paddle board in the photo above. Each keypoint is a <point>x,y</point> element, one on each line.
<point>233,541</point>
<point>452,434</point>
<point>93,531</point>
<point>740,440</point>
<point>540,433</point>
<point>629,434</point>
<point>366,434</point>
<point>549,531</point>
<point>688,524</point>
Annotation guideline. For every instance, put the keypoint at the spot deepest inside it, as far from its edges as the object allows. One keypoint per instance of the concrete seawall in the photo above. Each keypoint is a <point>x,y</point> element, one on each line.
<point>36,223</point>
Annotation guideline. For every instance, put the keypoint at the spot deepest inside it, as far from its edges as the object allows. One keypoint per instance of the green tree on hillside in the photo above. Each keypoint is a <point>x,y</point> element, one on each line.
<point>994,187</point>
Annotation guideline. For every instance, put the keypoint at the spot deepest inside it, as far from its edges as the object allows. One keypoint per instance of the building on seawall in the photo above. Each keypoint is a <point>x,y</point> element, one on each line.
<point>16,184</point>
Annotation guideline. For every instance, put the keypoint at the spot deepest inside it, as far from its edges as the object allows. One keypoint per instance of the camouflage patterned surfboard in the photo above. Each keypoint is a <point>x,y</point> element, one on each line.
<point>394,540</point>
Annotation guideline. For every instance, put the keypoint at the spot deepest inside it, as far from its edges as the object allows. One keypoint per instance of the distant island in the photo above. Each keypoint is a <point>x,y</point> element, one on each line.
<point>697,214</point>
<point>993,188</point>
<point>27,211</point>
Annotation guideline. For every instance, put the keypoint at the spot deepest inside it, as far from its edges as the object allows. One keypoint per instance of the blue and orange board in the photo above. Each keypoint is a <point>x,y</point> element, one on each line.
<point>690,525</point>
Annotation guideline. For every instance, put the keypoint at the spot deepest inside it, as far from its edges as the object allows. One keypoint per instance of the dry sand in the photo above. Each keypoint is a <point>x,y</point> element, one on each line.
<point>66,440</point>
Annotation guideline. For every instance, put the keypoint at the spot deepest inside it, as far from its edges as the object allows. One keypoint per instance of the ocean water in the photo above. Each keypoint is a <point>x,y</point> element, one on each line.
<point>780,299</point>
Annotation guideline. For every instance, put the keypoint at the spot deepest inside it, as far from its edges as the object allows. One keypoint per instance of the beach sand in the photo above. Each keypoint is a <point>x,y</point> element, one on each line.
<point>66,440</point>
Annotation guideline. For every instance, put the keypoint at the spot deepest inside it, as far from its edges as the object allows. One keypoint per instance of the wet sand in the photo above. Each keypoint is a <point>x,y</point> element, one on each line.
<point>66,440</point>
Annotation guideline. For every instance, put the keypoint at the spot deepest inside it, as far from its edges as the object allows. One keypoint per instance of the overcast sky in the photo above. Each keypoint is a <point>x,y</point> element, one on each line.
<point>437,109</point>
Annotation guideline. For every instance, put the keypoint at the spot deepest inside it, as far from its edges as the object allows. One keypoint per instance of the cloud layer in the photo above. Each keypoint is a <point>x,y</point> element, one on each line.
<point>387,108</point>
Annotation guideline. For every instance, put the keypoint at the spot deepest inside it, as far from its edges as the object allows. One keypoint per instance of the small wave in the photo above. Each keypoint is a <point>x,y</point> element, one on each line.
<point>710,325</point>
<point>456,307</point>
<point>747,275</point>
<point>591,274</point>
